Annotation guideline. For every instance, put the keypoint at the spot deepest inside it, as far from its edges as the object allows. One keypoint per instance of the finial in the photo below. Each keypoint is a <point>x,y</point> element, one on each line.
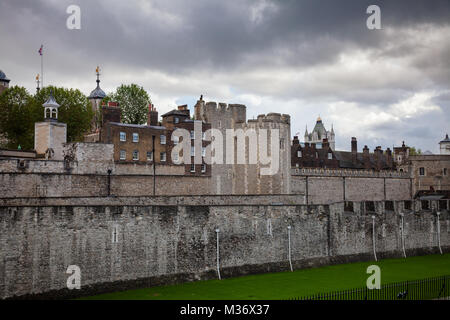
<point>201,97</point>
<point>318,118</point>
<point>97,70</point>
<point>37,81</point>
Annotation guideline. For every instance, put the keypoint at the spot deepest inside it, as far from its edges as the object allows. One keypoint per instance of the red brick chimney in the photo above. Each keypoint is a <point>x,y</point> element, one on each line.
<point>366,158</point>
<point>152,117</point>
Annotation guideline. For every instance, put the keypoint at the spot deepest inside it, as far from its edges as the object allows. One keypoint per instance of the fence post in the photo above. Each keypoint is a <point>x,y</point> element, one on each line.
<point>373,238</point>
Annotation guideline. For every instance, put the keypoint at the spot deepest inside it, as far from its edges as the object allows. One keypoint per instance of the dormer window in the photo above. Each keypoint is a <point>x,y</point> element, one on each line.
<point>330,156</point>
<point>299,153</point>
<point>176,120</point>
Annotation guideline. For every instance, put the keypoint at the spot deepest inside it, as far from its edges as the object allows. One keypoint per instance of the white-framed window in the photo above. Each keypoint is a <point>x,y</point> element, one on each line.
<point>203,168</point>
<point>135,155</point>
<point>123,136</point>
<point>192,167</point>
<point>330,156</point>
<point>149,156</point>
<point>175,157</point>
<point>163,156</point>
<point>135,137</point>
<point>203,151</point>
<point>176,120</point>
<point>162,139</point>
<point>299,153</point>
<point>421,171</point>
<point>192,134</point>
<point>192,151</point>
<point>176,139</point>
<point>123,155</point>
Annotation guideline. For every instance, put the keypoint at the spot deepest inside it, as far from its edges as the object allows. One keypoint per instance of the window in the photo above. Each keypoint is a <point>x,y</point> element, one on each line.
<point>176,139</point>
<point>317,154</point>
<point>115,234</point>
<point>203,151</point>
<point>421,171</point>
<point>135,137</point>
<point>162,138</point>
<point>149,156</point>
<point>135,155</point>
<point>192,151</point>
<point>175,157</point>
<point>163,156</point>
<point>123,136</point>
<point>192,134</point>
<point>203,135</point>
<point>330,156</point>
<point>282,144</point>
<point>192,167</point>
<point>444,171</point>
<point>299,153</point>
<point>176,119</point>
<point>123,155</point>
<point>203,168</point>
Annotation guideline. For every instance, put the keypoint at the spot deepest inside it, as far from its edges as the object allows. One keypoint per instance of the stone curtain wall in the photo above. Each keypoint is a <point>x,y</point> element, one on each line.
<point>171,239</point>
<point>329,186</point>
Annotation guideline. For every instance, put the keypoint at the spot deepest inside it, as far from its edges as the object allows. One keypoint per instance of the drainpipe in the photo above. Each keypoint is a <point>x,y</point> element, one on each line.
<point>438,231</point>
<point>217,250</point>
<point>402,234</point>
<point>289,247</point>
<point>373,238</point>
<point>109,182</point>
<point>154,164</point>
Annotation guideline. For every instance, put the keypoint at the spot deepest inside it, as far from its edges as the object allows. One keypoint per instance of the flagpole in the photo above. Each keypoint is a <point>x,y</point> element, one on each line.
<point>42,67</point>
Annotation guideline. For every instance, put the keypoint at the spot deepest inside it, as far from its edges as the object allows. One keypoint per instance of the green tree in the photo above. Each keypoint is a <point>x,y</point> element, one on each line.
<point>414,152</point>
<point>75,110</point>
<point>17,118</point>
<point>133,101</point>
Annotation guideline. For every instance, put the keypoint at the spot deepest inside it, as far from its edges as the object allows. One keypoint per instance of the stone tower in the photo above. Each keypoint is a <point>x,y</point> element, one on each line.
<point>248,177</point>
<point>4,82</point>
<point>96,97</point>
<point>444,145</point>
<point>319,133</point>
<point>50,134</point>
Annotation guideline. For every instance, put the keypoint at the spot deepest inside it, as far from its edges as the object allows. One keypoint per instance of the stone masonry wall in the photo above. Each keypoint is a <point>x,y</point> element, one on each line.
<point>171,239</point>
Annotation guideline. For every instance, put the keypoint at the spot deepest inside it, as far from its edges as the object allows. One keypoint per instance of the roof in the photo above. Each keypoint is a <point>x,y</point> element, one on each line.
<point>446,139</point>
<point>3,77</point>
<point>137,125</point>
<point>175,112</point>
<point>51,102</point>
<point>97,93</point>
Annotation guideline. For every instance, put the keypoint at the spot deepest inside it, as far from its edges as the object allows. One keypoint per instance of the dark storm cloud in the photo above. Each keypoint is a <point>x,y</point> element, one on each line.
<point>300,56</point>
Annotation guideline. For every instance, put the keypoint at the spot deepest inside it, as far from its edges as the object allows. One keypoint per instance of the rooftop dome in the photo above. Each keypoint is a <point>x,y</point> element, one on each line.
<point>3,77</point>
<point>97,93</point>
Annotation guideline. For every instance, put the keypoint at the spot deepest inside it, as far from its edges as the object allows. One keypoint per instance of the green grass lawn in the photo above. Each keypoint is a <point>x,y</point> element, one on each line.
<point>285,285</point>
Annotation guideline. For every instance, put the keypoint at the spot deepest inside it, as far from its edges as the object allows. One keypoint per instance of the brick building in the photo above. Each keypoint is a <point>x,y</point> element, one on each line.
<point>306,155</point>
<point>142,144</point>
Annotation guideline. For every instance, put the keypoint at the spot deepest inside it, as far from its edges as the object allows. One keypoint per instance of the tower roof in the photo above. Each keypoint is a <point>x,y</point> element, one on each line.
<point>97,93</point>
<point>3,77</point>
<point>446,139</point>
<point>51,102</point>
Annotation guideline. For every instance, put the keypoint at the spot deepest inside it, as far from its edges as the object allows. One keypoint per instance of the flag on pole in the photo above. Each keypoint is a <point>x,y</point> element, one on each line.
<point>40,50</point>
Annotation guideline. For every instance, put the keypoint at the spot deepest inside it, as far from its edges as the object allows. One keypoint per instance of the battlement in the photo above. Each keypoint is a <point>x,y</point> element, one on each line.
<point>272,117</point>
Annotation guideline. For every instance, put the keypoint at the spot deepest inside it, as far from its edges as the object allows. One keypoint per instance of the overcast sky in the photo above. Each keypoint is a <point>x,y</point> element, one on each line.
<point>303,58</point>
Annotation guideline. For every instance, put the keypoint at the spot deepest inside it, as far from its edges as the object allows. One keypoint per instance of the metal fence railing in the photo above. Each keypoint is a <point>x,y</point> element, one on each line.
<point>425,289</point>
